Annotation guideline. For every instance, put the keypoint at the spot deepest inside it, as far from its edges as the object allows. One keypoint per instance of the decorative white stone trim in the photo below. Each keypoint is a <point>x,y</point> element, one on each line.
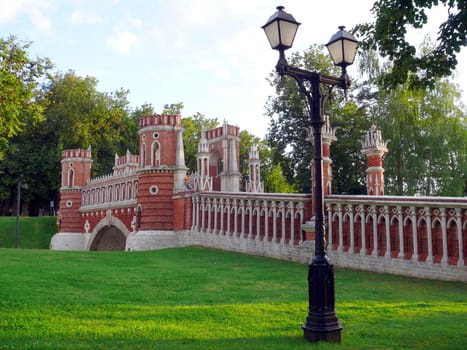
<point>154,190</point>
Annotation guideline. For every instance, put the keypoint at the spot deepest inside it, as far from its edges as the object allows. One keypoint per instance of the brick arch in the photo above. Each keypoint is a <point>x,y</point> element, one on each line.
<point>452,243</point>
<point>109,238</point>
<point>104,230</point>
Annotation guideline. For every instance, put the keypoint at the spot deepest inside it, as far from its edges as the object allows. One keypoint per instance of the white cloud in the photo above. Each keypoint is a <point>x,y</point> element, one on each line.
<point>9,10</point>
<point>127,36</point>
<point>36,11</point>
<point>83,17</point>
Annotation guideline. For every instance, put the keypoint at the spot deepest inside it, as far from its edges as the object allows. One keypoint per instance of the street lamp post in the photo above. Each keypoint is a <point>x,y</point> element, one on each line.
<point>18,209</point>
<point>321,323</point>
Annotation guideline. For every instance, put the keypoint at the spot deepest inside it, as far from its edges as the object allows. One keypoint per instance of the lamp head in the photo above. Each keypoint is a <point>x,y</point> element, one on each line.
<point>342,48</point>
<point>280,29</point>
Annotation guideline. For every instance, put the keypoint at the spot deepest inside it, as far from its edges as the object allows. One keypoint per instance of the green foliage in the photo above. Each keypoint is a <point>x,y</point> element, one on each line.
<point>75,115</point>
<point>275,182</point>
<point>193,126</point>
<point>79,116</point>
<point>19,79</point>
<point>427,132</point>
<point>290,119</point>
<point>193,298</point>
<point>33,232</point>
<point>348,163</point>
<point>427,152</point>
<point>173,108</point>
<point>387,35</point>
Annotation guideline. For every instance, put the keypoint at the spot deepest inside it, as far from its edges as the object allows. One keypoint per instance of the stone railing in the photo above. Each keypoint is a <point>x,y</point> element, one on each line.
<point>411,236</point>
<point>264,217</point>
<point>431,230</point>
<point>109,192</point>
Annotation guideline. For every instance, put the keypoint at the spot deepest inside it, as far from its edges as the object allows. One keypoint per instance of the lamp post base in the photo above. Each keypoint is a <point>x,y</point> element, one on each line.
<point>322,323</point>
<point>329,333</point>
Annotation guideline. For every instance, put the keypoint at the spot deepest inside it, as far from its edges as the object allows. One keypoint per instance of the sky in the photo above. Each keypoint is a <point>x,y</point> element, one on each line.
<point>212,55</point>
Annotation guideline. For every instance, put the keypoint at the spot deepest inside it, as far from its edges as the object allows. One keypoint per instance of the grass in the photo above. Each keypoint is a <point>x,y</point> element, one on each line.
<point>34,232</point>
<point>194,298</point>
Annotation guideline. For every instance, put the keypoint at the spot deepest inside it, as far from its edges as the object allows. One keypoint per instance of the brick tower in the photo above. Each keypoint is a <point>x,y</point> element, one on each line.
<point>162,170</point>
<point>76,172</point>
<point>218,160</point>
<point>374,147</point>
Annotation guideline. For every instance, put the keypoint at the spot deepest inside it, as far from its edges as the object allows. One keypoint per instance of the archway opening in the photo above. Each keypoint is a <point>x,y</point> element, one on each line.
<point>109,238</point>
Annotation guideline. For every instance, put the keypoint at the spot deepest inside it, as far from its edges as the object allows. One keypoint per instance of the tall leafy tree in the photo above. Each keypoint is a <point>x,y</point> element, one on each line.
<point>20,77</point>
<point>387,35</point>
<point>76,115</point>
<point>426,128</point>
<point>428,140</point>
<point>79,116</point>
<point>289,120</point>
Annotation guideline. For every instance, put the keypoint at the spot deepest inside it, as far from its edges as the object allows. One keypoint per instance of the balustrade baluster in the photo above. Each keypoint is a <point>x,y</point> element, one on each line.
<point>401,232</point>
<point>387,255</point>
<point>340,247</point>
<point>413,215</point>
<point>460,261</point>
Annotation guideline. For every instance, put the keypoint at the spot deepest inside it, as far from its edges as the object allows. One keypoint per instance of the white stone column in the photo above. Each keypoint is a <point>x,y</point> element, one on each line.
<point>387,255</point>
<point>362,229</point>
<point>351,229</point>
<point>401,232</point>
<point>291,211</point>
<point>460,243</point>
<point>444,259</point>
<point>414,233</point>
<point>340,247</point>
<point>375,230</point>
<point>429,234</point>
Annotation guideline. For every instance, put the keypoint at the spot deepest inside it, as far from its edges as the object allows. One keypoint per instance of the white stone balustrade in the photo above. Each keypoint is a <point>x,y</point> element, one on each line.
<point>266,217</point>
<point>109,191</point>
<point>420,230</point>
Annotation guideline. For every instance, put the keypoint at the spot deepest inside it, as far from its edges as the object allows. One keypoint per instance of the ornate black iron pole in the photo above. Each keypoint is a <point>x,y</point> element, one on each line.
<point>321,323</point>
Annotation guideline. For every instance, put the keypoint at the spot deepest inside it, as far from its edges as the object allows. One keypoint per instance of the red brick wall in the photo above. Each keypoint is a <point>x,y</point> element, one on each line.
<point>182,212</point>
<point>157,208</point>
<point>70,217</point>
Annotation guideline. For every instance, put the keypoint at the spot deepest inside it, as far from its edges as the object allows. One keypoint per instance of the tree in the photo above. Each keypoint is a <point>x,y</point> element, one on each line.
<point>76,115</point>
<point>19,79</point>
<point>275,182</point>
<point>173,108</point>
<point>79,116</point>
<point>387,35</point>
<point>428,140</point>
<point>426,129</point>
<point>193,126</point>
<point>289,119</point>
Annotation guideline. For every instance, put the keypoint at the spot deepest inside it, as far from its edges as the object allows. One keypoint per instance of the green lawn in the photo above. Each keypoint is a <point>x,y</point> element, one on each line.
<point>194,298</point>
<point>34,232</point>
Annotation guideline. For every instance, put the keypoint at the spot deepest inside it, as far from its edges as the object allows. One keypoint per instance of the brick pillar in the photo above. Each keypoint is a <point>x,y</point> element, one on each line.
<point>374,147</point>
